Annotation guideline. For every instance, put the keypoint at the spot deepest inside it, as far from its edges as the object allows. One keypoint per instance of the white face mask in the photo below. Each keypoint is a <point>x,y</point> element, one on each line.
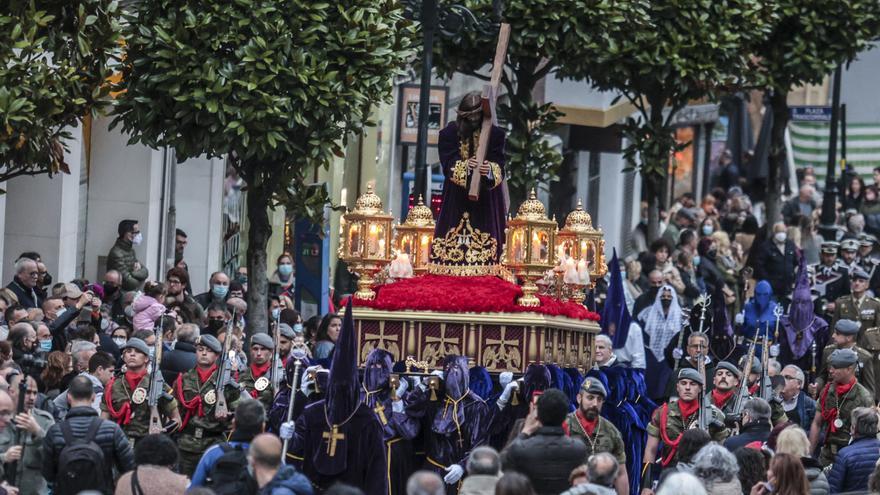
<point>137,239</point>
<point>119,341</point>
<point>780,237</point>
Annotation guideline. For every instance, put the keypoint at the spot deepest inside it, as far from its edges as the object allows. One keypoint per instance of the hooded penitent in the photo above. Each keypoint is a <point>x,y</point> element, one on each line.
<point>377,370</point>
<point>801,325</point>
<point>615,315</point>
<point>662,321</point>
<point>759,317</point>
<point>536,379</point>
<point>456,380</point>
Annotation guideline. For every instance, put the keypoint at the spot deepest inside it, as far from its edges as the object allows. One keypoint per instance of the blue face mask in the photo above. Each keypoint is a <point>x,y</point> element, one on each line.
<point>219,291</point>
<point>285,270</point>
<point>60,312</point>
<point>276,313</point>
<point>696,261</point>
<point>46,345</point>
<point>707,230</point>
<point>298,328</point>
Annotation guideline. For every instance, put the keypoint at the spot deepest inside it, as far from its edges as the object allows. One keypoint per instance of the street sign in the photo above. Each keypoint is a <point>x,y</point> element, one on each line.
<point>810,114</point>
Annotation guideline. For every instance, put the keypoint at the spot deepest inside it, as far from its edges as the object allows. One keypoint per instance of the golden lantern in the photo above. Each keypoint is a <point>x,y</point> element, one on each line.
<point>415,235</point>
<point>530,247</point>
<point>584,246</point>
<point>366,241</point>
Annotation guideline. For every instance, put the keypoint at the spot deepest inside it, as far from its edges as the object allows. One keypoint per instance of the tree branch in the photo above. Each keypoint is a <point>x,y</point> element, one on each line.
<point>9,176</point>
<point>544,68</point>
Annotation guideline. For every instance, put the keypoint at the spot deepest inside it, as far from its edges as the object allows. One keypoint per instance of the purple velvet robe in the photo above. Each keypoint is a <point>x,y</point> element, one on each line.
<point>398,433</point>
<point>486,214</point>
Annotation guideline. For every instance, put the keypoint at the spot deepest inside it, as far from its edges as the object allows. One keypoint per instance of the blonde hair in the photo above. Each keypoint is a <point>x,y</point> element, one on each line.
<point>793,440</point>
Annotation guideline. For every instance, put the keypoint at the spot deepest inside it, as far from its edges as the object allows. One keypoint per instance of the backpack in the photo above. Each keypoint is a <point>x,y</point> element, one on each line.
<point>81,463</point>
<point>229,475</point>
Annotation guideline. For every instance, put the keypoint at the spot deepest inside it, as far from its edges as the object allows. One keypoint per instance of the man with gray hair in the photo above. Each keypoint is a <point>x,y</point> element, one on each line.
<point>484,470</point>
<point>604,352</point>
<point>24,283</point>
<point>425,483</point>
<point>855,462</point>
<point>601,471</point>
<point>80,352</point>
<point>755,425</point>
<point>717,467</point>
<point>798,406</point>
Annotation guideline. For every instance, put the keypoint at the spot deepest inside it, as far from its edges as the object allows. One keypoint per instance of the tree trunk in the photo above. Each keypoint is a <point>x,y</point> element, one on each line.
<point>777,158</point>
<point>520,102</point>
<point>259,232</point>
<point>653,187</point>
<point>655,163</point>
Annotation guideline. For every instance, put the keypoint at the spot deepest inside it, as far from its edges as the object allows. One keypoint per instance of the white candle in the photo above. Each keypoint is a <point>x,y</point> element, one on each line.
<point>583,272</point>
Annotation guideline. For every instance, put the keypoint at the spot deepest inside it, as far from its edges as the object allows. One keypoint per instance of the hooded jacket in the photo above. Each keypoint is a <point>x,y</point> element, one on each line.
<point>287,481</point>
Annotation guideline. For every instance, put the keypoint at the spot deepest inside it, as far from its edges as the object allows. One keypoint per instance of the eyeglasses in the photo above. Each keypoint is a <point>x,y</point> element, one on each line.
<point>788,377</point>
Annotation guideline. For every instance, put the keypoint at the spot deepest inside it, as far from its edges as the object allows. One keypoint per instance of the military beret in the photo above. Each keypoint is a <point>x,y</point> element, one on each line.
<point>138,345</point>
<point>285,331</point>
<point>726,365</point>
<point>843,358</point>
<point>830,247</point>
<point>846,327</point>
<point>262,339</point>
<point>593,386</point>
<point>211,342</point>
<point>859,273</point>
<point>691,374</point>
<point>849,245</point>
<point>756,364</point>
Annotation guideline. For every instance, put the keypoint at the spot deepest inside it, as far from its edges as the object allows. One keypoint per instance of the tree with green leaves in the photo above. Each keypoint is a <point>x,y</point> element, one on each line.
<point>276,87</point>
<point>671,53</point>
<point>809,40</point>
<point>55,58</point>
<point>537,31</point>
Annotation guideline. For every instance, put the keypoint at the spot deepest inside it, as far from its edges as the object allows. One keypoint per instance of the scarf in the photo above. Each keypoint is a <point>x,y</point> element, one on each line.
<point>121,416</point>
<point>687,410</point>
<point>258,371</point>
<point>830,414</point>
<point>205,374</point>
<point>720,398</point>
<point>586,424</point>
<point>133,378</point>
<point>661,327</point>
<point>753,389</point>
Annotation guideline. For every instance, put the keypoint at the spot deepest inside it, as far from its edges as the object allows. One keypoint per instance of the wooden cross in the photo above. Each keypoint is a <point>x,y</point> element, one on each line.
<point>490,92</point>
<point>332,437</point>
<point>380,410</point>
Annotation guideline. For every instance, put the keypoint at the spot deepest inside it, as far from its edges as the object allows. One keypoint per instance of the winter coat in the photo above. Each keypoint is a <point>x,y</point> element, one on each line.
<point>818,480</point>
<point>62,406</point>
<point>111,439</point>
<point>757,431</point>
<point>122,259</point>
<point>146,311</point>
<point>178,360</point>
<point>287,481</point>
<point>153,480</point>
<point>479,484</point>
<point>547,458</point>
<point>853,466</point>
<point>776,267</point>
<point>27,298</point>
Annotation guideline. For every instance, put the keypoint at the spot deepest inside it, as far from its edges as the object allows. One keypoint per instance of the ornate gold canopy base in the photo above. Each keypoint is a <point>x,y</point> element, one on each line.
<point>498,341</point>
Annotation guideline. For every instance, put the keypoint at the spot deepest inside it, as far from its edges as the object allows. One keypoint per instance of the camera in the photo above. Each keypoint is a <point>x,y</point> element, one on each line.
<point>32,364</point>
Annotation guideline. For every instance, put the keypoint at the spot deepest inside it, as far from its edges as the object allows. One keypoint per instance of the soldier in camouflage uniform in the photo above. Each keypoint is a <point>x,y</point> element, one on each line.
<point>254,379</point>
<point>860,307</point>
<point>196,392</point>
<point>671,419</point>
<point>597,433</point>
<point>837,400</point>
<point>844,337</point>
<point>125,397</point>
<point>24,436</point>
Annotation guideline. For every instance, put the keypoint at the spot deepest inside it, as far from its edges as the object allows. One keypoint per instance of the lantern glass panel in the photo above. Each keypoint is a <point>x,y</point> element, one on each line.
<point>376,240</point>
<point>568,248</point>
<point>354,239</point>
<point>424,248</point>
<point>406,243</point>
<point>590,254</point>
<point>542,255</point>
<point>518,246</point>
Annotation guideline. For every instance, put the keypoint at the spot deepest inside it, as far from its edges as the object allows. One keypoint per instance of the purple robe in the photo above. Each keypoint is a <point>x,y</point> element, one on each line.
<point>487,214</point>
<point>398,432</point>
<point>359,459</point>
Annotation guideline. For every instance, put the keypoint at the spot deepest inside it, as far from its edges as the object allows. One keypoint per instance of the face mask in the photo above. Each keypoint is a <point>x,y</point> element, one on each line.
<point>60,312</point>
<point>46,345</point>
<point>219,291</point>
<point>137,239</point>
<point>696,261</point>
<point>47,280</point>
<point>666,303</point>
<point>242,279</point>
<point>707,230</point>
<point>105,323</point>
<point>298,327</point>
<point>780,237</point>
<point>276,313</point>
<point>711,254</point>
<point>109,290</point>
<point>129,312</point>
<point>285,270</point>
<point>119,341</point>
<point>215,325</point>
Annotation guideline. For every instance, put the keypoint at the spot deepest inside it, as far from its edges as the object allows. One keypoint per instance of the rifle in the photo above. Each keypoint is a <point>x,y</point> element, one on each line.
<point>766,392</point>
<point>685,322</point>
<point>743,392</point>
<point>223,374</point>
<point>275,369</point>
<point>12,467</point>
<point>157,384</point>
<point>705,418</point>
<point>297,354</point>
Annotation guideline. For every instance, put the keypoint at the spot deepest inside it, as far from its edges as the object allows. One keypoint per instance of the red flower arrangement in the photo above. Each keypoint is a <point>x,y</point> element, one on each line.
<point>466,295</point>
